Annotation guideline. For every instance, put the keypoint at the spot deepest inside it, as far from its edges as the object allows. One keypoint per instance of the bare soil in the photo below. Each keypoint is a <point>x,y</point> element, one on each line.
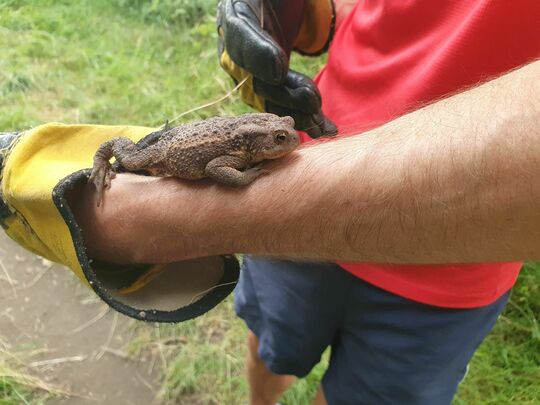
<point>43,306</point>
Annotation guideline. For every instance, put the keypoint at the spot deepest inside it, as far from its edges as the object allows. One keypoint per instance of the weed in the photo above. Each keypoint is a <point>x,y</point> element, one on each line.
<point>16,385</point>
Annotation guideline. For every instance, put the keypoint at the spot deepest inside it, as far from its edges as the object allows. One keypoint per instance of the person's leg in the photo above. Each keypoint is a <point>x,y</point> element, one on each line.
<point>395,351</point>
<point>265,387</point>
<point>293,311</point>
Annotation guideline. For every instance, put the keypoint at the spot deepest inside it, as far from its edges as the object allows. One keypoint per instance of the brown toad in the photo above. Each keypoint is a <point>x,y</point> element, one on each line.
<point>225,149</point>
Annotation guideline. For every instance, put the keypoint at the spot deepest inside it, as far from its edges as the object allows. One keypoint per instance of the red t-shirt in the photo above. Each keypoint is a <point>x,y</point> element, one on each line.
<point>389,56</point>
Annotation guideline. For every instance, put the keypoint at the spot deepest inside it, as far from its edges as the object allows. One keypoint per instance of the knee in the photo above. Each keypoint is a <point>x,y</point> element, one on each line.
<point>253,348</point>
<point>278,361</point>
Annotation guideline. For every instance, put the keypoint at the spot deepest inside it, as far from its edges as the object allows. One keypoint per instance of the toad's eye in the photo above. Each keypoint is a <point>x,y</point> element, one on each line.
<point>281,137</point>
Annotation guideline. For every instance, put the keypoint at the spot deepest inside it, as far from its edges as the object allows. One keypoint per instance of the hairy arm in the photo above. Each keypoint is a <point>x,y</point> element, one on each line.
<point>456,181</point>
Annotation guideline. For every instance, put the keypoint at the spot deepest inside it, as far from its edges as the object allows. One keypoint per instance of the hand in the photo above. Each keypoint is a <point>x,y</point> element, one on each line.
<point>256,38</point>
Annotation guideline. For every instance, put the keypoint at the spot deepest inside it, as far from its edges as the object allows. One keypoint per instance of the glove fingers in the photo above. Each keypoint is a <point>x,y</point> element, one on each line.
<point>325,124</point>
<point>248,45</point>
<point>297,92</point>
<point>299,98</point>
<point>315,125</point>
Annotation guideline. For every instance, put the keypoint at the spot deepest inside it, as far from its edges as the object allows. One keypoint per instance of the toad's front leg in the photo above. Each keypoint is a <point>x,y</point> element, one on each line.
<point>126,153</point>
<point>225,169</point>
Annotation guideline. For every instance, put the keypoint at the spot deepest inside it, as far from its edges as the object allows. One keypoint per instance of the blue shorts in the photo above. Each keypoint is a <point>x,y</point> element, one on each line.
<point>384,349</point>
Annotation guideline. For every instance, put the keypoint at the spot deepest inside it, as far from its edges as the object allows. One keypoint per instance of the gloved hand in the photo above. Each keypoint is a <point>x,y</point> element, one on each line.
<point>255,40</point>
<point>39,167</point>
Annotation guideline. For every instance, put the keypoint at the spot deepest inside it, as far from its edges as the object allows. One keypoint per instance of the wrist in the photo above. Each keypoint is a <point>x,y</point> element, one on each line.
<point>171,220</point>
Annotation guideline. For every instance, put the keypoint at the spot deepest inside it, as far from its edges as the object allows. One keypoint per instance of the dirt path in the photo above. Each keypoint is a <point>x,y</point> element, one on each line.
<point>44,306</point>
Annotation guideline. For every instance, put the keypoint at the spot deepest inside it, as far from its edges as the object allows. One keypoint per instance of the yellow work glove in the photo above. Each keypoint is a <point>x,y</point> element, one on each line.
<point>39,167</point>
<point>255,40</point>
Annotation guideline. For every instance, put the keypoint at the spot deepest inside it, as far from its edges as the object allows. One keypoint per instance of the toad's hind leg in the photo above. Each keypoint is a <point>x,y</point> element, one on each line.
<point>225,169</point>
<point>127,153</point>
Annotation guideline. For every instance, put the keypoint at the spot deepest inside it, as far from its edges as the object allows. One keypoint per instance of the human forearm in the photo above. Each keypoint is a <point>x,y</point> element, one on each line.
<point>458,181</point>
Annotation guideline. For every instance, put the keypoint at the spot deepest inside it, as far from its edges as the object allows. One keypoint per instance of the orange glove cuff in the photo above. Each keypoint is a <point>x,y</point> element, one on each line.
<point>317,27</point>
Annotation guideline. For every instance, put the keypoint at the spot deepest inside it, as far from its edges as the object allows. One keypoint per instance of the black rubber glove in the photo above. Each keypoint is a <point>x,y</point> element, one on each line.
<point>256,38</point>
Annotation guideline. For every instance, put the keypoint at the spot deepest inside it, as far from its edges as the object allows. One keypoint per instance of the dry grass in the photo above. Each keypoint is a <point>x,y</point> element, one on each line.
<point>17,384</point>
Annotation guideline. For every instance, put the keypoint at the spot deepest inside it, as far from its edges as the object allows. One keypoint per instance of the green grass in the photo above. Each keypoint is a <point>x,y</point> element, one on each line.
<point>99,62</point>
<point>506,368</point>
<point>11,391</point>
<point>16,385</point>
<point>141,62</point>
<point>18,388</point>
<point>118,62</point>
